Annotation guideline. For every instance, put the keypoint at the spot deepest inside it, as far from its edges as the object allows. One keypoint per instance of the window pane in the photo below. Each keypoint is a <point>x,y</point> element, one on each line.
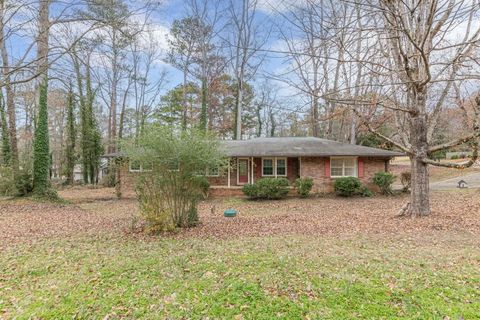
<point>336,163</point>
<point>350,171</point>
<point>135,166</point>
<point>349,162</point>
<point>336,172</point>
<point>243,168</point>
<point>213,171</point>
<point>281,167</point>
<point>268,167</point>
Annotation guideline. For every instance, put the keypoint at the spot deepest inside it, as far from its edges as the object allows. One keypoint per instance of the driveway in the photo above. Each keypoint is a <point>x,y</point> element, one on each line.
<point>473,181</point>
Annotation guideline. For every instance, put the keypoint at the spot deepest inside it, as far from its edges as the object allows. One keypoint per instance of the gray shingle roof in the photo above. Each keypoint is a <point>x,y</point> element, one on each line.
<point>300,147</point>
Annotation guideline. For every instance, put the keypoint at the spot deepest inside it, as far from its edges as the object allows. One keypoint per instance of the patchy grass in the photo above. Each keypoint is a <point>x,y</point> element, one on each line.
<point>257,278</point>
<point>326,258</point>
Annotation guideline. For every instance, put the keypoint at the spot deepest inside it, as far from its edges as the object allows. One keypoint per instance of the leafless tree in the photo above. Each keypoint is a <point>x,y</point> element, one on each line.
<point>423,58</point>
<point>246,38</point>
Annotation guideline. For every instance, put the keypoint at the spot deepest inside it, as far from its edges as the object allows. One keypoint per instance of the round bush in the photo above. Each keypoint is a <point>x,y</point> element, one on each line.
<point>267,188</point>
<point>347,186</point>
<point>304,186</point>
<point>250,190</point>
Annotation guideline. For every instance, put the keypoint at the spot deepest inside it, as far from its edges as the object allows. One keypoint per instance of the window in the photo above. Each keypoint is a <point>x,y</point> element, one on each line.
<point>212,172</point>
<point>343,167</point>
<point>274,167</point>
<point>267,167</point>
<point>137,166</point>
<point>281,167</point>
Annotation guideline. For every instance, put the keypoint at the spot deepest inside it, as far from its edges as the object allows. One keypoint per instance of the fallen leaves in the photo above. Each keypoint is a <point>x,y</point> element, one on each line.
<point>94,214</point>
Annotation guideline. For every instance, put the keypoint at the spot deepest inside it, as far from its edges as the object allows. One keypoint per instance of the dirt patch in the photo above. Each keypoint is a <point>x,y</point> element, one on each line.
<point>26,221</point>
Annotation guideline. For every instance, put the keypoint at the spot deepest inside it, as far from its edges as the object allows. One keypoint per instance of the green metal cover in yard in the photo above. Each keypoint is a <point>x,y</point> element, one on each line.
<point>230,213</point>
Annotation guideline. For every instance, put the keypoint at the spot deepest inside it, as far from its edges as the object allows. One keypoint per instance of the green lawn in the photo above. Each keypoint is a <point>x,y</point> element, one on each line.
<point>289,277</point>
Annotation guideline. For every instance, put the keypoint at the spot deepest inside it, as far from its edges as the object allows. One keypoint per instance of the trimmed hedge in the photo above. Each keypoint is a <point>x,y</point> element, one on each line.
<point>347,186</point>
<point>267,188</point>
<point>304,186</point>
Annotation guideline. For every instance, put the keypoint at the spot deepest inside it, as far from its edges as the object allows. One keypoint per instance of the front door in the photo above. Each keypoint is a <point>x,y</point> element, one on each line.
<point>242,167</point>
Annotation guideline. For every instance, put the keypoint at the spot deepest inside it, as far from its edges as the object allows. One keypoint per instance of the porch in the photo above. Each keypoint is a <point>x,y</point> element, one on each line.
<point>247,170</point>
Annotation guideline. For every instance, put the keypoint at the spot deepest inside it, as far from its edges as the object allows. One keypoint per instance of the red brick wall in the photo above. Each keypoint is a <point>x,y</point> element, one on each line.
<point>314,167</point>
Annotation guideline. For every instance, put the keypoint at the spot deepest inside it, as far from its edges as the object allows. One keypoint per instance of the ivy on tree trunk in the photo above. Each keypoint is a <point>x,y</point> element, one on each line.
<point>6,147</point>
<point>41,148</point>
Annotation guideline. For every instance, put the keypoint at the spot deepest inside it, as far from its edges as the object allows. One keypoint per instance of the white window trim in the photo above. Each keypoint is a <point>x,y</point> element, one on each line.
<point>273,167</point>
<point>134,170</point>
<point>274,164</point>
<point>137,170</point>
<point>355,170</point>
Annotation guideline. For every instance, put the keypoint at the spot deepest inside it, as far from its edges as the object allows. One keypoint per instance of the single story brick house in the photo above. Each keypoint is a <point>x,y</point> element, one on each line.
<point>290,157</point>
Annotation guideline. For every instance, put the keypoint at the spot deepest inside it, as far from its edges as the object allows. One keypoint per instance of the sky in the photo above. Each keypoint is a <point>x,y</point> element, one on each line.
<point>269,15</point>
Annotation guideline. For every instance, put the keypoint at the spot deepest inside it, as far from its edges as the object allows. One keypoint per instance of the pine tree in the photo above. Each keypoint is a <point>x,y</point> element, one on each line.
<point>41,148</point>
<point>71,138</point>
<point>6,147</point>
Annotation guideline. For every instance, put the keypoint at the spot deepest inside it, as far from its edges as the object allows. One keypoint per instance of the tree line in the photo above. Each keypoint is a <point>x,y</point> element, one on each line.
<point>90,73</point>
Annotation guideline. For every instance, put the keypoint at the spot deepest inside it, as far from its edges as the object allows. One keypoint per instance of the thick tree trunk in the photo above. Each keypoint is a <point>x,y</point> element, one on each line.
<point>419,196</point>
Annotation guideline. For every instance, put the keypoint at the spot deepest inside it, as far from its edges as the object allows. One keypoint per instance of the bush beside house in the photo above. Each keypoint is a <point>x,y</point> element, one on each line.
<point>384,181</point>
<point>267,189</point>
<point>350,186</point>
<point>304,186</point>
